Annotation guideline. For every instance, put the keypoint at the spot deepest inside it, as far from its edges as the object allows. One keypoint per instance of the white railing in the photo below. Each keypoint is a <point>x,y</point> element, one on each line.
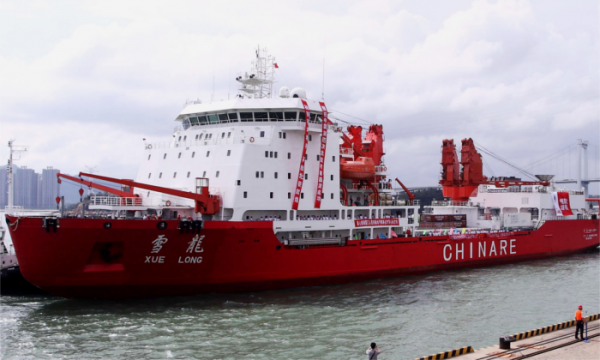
<point>450,203</point>
<point>115,201</point>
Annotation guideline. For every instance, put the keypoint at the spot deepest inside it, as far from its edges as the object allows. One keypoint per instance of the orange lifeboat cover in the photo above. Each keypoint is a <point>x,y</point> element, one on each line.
<point>361,169</point>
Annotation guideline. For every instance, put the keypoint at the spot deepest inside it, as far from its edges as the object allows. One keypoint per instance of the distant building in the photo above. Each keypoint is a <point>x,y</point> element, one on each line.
<point>3,188</point>
<point>49,189</point>
<point>26,188</point>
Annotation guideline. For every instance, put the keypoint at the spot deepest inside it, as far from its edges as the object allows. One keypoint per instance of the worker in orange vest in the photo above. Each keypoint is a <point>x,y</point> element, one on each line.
<point>579,322</point>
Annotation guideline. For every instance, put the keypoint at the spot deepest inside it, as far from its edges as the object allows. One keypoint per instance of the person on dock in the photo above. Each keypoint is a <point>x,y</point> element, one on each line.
<point>579,322</point>
<point>373,351</point>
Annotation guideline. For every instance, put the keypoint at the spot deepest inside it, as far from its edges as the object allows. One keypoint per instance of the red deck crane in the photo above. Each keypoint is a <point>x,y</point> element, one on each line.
<point>205,203</point>
<point>411,196</point>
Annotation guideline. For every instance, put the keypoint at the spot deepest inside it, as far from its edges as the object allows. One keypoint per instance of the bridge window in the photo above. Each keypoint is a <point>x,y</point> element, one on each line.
<point>203,120</point>
<point>276,175</point>
<point>318,157</point>
<point>194,121</point>
<point>262,174</point>
<point>266,154</point>
<point>271,154</point>
<point>245,194</point>
<point>275,154</point>
<point>276,116</point>
<point>333,158</point>
<point>238,182</point>
<point>290,115</point>
<point>257,174</point>
<point>233,117</point>
<point>223,118</point>
<point>309,137</point>
<point>261,116</point>
<point>289,155</point>
<point>246,117</point>
<point>289,175</point>
<point>213,119</point>
<point>284,135</point>
<point>332,195</point>
<point>305,176</point>
<point>271,195</point>
<point>331,177</point>
<point>301,195</point>
<point>188,174</point>
<point>289,195</point>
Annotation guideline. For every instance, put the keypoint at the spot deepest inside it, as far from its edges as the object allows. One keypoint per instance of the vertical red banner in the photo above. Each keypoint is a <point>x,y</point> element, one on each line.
<point>322,150</point>
<point>300,179</point>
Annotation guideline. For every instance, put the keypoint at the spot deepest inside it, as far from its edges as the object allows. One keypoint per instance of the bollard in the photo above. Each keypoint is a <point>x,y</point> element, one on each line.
<point>505,342</point>
<point>586,338</point>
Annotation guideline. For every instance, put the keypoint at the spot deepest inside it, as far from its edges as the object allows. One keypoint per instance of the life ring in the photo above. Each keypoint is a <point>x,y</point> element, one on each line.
<point>251,139</point>
<point>168,203</point>
<point>149,147</point>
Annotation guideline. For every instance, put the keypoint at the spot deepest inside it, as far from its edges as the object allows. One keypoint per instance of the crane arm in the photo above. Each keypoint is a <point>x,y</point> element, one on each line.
<point>95,186</point>
<point>411,196</point>
<point>205,202</point>
<point>349,142</point>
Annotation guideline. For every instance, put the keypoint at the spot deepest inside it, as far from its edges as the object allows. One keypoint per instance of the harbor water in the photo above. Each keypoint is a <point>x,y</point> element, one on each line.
<point>407,317</point>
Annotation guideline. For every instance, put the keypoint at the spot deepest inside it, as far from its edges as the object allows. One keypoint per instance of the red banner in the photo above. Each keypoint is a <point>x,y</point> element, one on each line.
<point>561,203</point>
<point>322,154</point>
<point>300,179</point>
<point>377,222</point>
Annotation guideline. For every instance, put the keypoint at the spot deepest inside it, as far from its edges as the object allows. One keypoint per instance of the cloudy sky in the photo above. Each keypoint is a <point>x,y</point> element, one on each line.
<point>83,82</point>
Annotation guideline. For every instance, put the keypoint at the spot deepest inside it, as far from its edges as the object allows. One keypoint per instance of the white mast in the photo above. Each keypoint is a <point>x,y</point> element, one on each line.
<point>259,83</point>
<point>15,154</point>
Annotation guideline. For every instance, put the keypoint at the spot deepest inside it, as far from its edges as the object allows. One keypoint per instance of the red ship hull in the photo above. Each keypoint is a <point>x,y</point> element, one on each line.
<point>133,258</point>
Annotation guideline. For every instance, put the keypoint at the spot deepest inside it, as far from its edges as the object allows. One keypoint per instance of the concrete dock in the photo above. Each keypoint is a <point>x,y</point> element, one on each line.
<point>550,344</point>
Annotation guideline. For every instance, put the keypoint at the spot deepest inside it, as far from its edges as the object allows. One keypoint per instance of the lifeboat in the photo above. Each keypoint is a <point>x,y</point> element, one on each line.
<point>361,169</point>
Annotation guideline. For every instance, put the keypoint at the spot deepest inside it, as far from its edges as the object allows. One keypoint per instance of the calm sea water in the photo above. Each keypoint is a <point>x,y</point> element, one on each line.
<point>407,317</point>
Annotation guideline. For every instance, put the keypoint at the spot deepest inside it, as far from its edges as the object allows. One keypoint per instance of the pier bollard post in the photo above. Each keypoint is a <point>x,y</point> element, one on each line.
<point>586,338</point>
<point>505,342</point>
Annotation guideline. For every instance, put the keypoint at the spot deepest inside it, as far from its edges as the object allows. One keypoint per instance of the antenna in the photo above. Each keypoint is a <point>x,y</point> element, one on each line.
<point>323,91</point>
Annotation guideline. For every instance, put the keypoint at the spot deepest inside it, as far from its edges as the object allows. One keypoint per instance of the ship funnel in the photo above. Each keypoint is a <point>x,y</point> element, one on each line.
<point>544,177</point>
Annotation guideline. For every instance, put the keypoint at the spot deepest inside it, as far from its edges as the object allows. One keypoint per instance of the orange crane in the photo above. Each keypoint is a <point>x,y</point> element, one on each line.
<point>411,196</point>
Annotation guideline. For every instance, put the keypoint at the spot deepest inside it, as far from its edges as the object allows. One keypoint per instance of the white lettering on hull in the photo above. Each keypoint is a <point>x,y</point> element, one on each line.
<point>504,248</point>
<point>190,260</point>
<point>155,260</point>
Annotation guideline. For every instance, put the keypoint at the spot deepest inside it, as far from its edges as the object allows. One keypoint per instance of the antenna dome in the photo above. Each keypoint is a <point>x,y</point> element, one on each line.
<point>284,92</point>
<point>298,93</point>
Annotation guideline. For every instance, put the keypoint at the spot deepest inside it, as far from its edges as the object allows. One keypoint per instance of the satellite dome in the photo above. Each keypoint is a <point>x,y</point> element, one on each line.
<point>284,92</point>
<point>298,93</point>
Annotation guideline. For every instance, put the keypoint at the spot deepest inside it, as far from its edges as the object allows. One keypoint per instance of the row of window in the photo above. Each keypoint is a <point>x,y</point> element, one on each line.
<point>188,175</point>
<point>271,195</point>
<point>249,116</point>
<point>268,154</point>
<point>261,175</point>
